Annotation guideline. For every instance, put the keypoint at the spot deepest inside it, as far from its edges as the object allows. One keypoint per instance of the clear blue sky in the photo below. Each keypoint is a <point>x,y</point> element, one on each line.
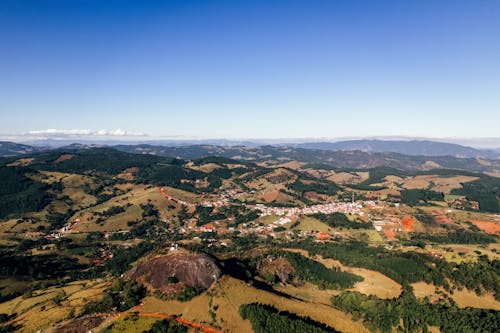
<point>252,69</point>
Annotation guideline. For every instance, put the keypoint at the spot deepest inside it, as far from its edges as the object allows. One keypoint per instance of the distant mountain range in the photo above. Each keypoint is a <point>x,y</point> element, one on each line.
<point>8,149</point>
<point>413,147</point>
<point>358,154</point>
<point>275,155</point>
<point>405,147</point>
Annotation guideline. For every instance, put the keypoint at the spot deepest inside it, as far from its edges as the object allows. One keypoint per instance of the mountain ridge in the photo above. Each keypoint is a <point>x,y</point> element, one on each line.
<point>410,147</point>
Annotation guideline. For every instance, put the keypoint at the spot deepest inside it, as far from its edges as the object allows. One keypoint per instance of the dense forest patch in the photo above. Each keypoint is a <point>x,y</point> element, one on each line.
<point>265,318</point>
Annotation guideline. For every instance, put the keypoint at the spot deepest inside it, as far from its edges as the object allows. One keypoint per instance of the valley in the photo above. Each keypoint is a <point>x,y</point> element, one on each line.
<point>96,238</point>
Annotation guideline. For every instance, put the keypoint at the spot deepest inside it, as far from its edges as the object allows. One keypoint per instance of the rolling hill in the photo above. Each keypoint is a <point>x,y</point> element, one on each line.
<point>15,149</point>
<point>412,147</point>
<point>205,238</point>
<point>272,155</point>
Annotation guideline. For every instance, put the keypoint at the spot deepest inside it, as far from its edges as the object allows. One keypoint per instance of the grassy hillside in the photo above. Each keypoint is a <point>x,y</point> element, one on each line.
<point>293,249</point>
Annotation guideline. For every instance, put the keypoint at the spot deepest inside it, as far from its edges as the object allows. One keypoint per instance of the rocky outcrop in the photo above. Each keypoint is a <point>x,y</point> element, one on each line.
<point>279,267</point>
<point>83,324</point>
<point>196,270</point>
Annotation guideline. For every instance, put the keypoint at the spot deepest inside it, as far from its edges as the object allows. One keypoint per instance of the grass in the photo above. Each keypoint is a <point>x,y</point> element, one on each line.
<point>182,195</point>
<point>131,324</point>
<point>433,182</point>
<point>371,236</point>
<point>136,196</point>
<point>309,292</point>
<point>209,167</point>
<point>225,297</point>
<point>374,283</point>
<point>348,177</point>
<point>467,298</point>
<point>464,298</point>
<point>11,285</point>
<point>268,219</point>
<point>467,252</point>
<point>451,197</point>
<point>41,311</point>
<point>310,223</point>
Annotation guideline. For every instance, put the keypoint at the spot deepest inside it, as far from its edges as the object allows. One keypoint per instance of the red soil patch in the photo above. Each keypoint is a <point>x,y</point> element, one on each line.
<point>271,196</point>
<point>129,173</point>
<point>487,226</point>
<point>443,219</point>
<point>323,236</point>
<point>63,158</point>
<point>132,170</point>
<point>408,223</point>
<point>166,195</point>
<point>390,234</point>
<point>209,226</point>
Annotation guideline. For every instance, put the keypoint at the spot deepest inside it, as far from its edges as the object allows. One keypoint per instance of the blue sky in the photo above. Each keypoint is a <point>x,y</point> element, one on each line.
<point>251,69</point>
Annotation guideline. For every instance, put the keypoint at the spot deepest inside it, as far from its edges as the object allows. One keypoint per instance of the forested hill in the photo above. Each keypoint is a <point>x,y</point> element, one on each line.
<point>338,159</point>
<point>358,154</point>
<point>412,147</point>
<point>14,149</point>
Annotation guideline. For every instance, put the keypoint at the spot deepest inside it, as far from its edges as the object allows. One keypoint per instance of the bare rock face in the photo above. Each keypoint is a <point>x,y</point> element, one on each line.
<point>278,267</point>
<point>83,324</point>
<point>196,270</point>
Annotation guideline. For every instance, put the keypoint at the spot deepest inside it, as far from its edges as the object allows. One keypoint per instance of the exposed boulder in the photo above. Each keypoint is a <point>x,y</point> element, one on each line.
<point>166,272</point>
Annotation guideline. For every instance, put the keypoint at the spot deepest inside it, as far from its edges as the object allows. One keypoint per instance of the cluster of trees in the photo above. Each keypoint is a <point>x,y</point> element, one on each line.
<point>149,229</point>
<point>149,211</point>
<point>265,319</point>
<point>171,175</point>
<point>458,236</point>
<point>398,266</point>
<point>248,216</point>
<point>111,211</point>
<point>485,190</point>
<point>318,186</point>
<point>378,174</point>
<point>240,214</point>
<point>481,274</point>
<point>341,220</point>
<point>188,293</point>
<point>167,326</point>
<point>121,296</point>
<point>206,214</point>
<point>425,217</point>
<point>312,271</point>
<point>9,328</point>
<point>416,196</point>
<point>174,175</point>
<point>123,257</point>
<point>4,317</point>
<point>102,160</point>
<point>365,187</point>
<point>39,267</point>
<point>408,314</point>
<point>410,267</point>
<point>120,262</point>
<point>20,194</point>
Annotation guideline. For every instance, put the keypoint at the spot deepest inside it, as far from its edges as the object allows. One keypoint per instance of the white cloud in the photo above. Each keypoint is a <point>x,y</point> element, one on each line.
<point>87,133</point>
